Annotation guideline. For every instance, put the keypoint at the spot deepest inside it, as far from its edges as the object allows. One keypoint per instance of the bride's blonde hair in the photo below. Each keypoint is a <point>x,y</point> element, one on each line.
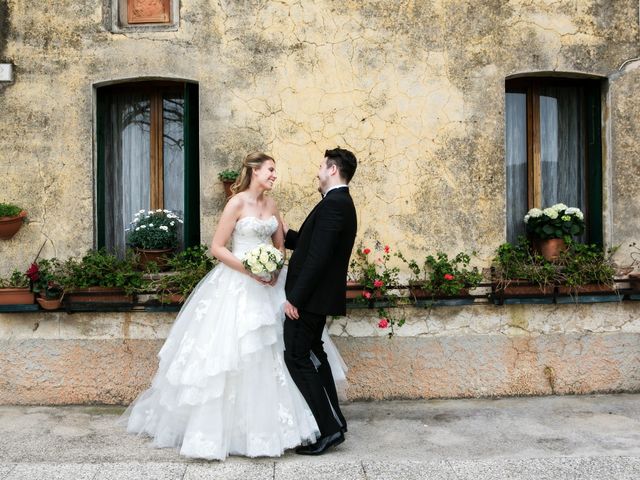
<point>251,161</point>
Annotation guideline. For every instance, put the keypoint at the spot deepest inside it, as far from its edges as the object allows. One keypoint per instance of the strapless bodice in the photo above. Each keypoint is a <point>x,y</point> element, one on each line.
<point>250,232</point>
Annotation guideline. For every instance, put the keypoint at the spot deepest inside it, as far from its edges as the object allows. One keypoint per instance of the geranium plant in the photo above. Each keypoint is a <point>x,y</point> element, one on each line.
<point>46,276</point>
<point>557,221</point>
<point>370,267</point>
<point>154,229</point>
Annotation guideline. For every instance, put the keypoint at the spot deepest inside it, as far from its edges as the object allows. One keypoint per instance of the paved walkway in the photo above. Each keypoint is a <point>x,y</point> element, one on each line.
<point>572,437</point>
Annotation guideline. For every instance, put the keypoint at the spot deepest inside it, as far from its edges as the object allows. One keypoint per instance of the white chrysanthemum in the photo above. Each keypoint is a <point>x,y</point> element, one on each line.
<point>164,227</point>
<point>579,215</point>
<point>150,225</point>
<point>172,223</point>
<point>526,218</point>
<point>551,213</point>
<point>534,213</point>
<point>143,226</point>
<point>558,207</point>
<point>137,228</point>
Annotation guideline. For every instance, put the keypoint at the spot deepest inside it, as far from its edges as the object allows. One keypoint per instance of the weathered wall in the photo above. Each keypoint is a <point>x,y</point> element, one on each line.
<point>416,89</point>
<point>443,352</point>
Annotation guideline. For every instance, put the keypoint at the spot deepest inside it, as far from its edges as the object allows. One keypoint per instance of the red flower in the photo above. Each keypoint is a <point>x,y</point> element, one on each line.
<point>383,323</point>
<point>448,276</point>
<point>386,249</point>
<point>366,251</point>
<point>378,283</point>
<point>366,294</point>
<point>33,273</point>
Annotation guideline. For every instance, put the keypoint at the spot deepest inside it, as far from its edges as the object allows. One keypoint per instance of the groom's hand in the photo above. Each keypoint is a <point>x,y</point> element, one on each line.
<point>291,311</point>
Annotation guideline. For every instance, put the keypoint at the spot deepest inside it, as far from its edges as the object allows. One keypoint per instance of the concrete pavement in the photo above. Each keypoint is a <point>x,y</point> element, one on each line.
<point>570,437</point>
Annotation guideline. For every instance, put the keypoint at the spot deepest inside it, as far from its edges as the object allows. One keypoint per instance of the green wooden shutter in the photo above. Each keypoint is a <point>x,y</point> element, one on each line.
<point>101,116</point>
<point>594,163</point>
<point>191,166</point>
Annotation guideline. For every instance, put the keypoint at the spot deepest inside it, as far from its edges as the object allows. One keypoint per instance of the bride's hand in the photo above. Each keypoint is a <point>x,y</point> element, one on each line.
<point>259,279</point>
<point>274,277</point>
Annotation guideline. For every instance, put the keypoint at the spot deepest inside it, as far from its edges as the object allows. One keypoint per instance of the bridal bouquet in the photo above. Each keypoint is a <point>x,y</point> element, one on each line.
<point>263,261</point>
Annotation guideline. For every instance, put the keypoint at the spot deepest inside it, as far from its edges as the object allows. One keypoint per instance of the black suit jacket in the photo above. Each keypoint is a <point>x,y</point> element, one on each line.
<point>317,276</point>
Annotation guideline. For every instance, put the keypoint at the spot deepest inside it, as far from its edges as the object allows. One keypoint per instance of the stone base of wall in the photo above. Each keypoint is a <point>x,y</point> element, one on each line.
<point>60,359</point>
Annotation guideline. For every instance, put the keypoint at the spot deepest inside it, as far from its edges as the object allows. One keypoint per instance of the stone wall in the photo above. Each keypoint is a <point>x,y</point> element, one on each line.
<point>416,89</point>
<point>443,352</point>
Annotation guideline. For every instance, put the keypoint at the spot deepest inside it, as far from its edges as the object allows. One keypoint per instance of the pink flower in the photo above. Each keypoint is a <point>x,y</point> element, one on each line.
<point>386,249</point>
<point>448,276</point>
<point>383,323</point>
<point>366,251</point>
<point>366,295</point>
<point>378,283</point>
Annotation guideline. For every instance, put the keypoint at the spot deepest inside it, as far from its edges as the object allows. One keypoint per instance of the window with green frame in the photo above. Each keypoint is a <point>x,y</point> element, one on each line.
<point>147,158</point>
<point>553,149</point>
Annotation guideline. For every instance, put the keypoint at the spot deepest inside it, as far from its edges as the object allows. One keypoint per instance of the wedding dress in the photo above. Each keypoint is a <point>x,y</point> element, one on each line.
<point>222,387</point>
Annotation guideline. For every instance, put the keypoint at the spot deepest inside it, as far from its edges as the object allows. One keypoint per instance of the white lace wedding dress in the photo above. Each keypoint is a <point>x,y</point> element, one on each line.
<point>222,387</point>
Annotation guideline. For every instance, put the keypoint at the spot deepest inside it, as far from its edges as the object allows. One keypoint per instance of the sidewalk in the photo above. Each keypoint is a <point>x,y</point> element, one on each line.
<point>573,437</point>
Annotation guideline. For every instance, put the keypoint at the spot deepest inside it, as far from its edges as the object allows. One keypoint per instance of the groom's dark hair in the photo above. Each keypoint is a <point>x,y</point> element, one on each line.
<point>344,160</point>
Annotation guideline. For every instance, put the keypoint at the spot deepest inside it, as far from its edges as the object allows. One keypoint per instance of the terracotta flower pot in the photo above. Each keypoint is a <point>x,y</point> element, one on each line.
<point>227,187</point>
<point>354,289</point>
<point>520,288</point>
<point>172,298</point>
<point>9,226</point>
<point>159,256</point>
<point>16,296</point>
<point>49,303</point>
<point>590,288</point>
<point>550,248</point>
<point>98,295</point>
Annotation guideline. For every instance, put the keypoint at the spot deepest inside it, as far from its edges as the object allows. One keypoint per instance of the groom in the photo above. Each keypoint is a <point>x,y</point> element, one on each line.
<point>315,288</point>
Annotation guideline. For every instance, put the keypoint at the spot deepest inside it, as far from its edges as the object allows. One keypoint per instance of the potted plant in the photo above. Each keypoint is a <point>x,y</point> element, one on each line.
<point>187,269</point>
<point>370,271</point>
<point>584,269</point>
<point>442,277</point>
<point>46,282</point>
<point>552,227</point>
<point>228,178</point>
<point>634,277</point>
<point>11,219</point>
<point>518,271</point>
<point>154,235</point>
<point>14,289</point>
<point>100,277</point>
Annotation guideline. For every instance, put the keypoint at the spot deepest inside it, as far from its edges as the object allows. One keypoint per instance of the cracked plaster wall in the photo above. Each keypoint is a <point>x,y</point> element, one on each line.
<point>416,89</point>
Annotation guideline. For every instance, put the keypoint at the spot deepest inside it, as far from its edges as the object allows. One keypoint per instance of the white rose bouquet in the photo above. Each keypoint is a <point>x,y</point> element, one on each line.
<point>263,261</point>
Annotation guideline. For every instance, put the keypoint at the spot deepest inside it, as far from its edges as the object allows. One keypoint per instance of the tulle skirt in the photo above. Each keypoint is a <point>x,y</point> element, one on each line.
<point>222,387</point>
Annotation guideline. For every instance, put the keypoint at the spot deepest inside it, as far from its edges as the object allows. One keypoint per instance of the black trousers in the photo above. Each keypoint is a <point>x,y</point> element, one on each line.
<point>301,337</point>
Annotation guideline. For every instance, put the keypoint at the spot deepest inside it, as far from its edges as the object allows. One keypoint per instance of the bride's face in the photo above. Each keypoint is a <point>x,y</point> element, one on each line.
<point>265,176</point>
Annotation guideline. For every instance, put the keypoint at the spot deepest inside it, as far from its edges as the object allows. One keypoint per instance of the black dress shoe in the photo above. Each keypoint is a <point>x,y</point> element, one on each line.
<point>344,429</point>
<point>322,445</point>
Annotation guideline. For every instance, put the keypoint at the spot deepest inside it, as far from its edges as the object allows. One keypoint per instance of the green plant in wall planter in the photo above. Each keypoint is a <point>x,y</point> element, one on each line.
<point>101,277</point>
<point>188,268</point>
<point>228,178</point>
<point>584,268</point>
<point>517,270</point>
<point>11,219</point>
<point>15,289</point>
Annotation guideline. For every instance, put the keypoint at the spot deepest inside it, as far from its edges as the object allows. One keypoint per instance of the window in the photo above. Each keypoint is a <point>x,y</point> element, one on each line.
<point>147,157</point>
<point>553,150</point>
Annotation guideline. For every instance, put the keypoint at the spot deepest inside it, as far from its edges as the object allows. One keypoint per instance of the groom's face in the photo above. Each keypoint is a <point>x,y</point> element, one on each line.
<point>324,175</point>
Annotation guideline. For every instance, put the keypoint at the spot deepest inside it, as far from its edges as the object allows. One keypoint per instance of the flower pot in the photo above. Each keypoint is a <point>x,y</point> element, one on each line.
<point>98,295</point>
<point>634,281</point>
<point>585,289</point>
<point>550,248</point>
<point>354,290</point>
<point>9,226</point>
<point>16,296</point>
<point>418,293</point>
<point>158,256</point>
<point>49,303</point>
<point>172,298</point>
<point>520,288</point>
<point>227,187</point>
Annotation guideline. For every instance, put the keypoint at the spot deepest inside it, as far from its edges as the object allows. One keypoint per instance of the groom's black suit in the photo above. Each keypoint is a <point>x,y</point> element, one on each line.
<point>316,286</point>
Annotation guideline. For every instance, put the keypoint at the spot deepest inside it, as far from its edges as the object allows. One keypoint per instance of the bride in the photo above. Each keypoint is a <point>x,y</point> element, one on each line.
<point>222,387</point>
